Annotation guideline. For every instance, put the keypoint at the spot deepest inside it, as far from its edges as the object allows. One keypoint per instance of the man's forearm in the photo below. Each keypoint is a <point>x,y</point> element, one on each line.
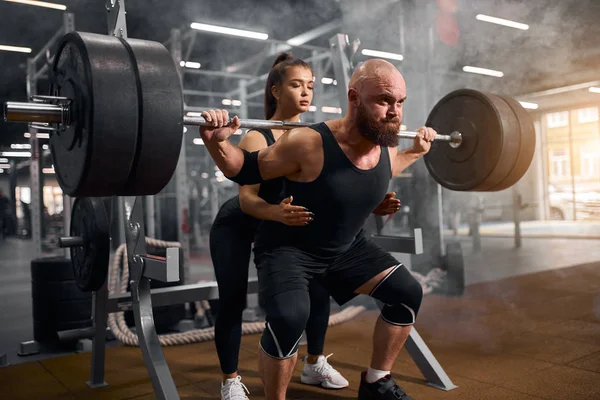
<point>229,158</point>
<point>405,159</point>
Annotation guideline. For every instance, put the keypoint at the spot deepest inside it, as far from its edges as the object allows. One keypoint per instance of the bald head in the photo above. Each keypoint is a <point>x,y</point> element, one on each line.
<point>376,71</point>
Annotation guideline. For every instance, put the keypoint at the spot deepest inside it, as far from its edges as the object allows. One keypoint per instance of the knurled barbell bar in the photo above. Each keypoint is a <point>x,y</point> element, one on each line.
<point>116,115</point>
<point>59,114</point>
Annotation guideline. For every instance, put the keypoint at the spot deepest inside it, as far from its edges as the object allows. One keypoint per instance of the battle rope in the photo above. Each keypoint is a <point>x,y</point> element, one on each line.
<point>117,324</point>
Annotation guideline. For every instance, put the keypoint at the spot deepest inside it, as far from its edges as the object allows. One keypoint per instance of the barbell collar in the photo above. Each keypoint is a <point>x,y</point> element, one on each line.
<point>56,113</point>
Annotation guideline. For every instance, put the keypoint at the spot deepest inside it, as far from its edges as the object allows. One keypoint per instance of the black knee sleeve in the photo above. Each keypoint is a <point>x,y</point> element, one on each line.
<point>402,295</point>
<point>287,314</point>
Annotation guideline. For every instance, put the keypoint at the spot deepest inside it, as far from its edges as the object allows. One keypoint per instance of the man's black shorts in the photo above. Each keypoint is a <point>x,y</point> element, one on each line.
<point>285,268</point>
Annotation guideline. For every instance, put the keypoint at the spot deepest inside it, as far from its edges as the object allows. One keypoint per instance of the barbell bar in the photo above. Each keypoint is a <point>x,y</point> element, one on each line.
<point>116,112</point>
<point>57,113</point>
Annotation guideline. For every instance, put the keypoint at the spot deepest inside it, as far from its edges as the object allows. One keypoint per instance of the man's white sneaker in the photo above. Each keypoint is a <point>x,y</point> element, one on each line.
<point>322,373</point>
<point>234,389</point>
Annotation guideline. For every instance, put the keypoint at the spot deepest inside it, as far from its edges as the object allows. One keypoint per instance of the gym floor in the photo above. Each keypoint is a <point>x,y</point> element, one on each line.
<point>527,327</point>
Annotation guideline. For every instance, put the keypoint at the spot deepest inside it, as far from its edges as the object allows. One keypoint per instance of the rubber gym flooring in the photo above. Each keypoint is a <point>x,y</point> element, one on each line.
<point>534,336</point>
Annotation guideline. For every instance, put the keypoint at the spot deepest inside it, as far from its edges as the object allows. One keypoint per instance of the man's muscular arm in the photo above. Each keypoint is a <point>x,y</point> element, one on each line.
<point>421,144</point>
<point>247,168</point>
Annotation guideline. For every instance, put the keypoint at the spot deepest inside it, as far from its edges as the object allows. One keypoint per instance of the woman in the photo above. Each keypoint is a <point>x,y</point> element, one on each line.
<point>289,92</point>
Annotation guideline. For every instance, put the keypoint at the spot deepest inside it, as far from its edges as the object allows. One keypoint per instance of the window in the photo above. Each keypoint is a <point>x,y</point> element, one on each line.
<point>587,115</point>
<point>558,119</point>
<point>559,164</point>
<point>590,164</point>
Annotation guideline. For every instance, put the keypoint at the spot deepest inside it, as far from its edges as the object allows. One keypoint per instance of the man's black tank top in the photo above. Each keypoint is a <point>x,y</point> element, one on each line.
<point>270,191</point>
<point>342,198</point>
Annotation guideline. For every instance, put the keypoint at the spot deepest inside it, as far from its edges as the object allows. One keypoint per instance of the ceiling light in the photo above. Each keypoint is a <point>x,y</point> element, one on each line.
<point>190,64</point>
<point>382,54</point>
<point>530,106</point>
<point>15,48</point>
<point>483,71</point>
<point>594,89</point>
<point>40,4</point>
<point>502,21</point>
<point>198,141</point>
<point>15,153</point>
<point>229,31</point>
<point>331,110</point>
<point>20,146</point>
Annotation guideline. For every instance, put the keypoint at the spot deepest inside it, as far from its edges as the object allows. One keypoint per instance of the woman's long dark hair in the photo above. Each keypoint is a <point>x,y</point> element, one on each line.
<point>276,76</point>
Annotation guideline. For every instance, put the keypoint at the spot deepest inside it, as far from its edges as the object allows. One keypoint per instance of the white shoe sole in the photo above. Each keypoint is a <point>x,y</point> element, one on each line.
<point>307,380</point>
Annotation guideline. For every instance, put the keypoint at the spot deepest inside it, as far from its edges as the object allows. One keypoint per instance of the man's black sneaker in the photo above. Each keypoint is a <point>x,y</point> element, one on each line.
<point>383,389</point>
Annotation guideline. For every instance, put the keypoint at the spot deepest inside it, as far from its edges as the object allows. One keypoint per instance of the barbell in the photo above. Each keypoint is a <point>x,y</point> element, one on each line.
<point>116,114</point>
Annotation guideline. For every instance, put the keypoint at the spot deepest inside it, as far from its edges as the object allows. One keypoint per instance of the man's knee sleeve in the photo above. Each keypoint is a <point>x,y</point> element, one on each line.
<point>287,314</point>
<point>402,295</point>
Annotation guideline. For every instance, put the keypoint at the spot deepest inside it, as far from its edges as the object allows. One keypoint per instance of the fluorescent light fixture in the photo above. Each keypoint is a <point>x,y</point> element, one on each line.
<point>15,49</point>
<point>4,166</point>
<point>382,54</point>
<point>198,141</point>
<point>15,153</point>
<point>20,146</point>
<point>229,102</point>
<point>403,127</point>
<point>190,64</point>
<point>483,71</point>
<point>204,175</point>
<point>312,108</point>
<point>3,160</point>
<point>45,146</point>
<point>331,110</point>
<point>40,4</point>
<point>502,21</point>
<point>185,129</point>
<point>38,135</point>
<point>229,31</point>
<point>326,81</point>
<point>594,89</point>
<point>48,170</point>
<point>530,106</point>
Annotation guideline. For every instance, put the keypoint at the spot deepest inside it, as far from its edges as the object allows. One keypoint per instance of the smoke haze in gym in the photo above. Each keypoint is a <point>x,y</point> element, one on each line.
<point>436,38</point>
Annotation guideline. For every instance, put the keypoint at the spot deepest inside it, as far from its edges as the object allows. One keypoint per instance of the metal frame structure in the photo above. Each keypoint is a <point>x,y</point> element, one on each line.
<point>37,153</point>
<point>36,162</point>
<point>143,268</point>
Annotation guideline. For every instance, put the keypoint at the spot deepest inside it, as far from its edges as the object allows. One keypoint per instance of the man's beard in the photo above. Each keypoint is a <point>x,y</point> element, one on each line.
<point>381,132</point>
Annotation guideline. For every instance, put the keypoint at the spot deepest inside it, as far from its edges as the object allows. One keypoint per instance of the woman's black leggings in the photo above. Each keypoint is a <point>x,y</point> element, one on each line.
<point>230,248</point>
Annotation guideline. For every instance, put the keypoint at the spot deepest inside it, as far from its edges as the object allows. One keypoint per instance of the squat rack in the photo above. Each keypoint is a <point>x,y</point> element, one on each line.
<point>143,268</point>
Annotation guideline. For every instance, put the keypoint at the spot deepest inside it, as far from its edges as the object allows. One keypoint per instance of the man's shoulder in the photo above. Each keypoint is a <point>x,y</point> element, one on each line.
<point>305,136</point>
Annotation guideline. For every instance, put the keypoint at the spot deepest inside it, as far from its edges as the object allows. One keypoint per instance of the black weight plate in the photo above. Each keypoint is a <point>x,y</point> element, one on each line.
<point>51,269</point>
<point>476,116</point>
<point>89,220</point>
<point>61,311</point>
<point>160,132</point>
<point>526,149</point>
<point>511,143</point>
<point>94,156</point>
<point>65,290</point>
